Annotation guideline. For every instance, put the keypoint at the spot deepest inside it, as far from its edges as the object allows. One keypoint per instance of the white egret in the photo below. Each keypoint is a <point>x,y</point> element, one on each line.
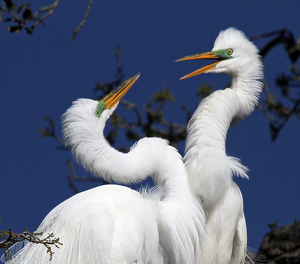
<point>114,224</point>
<point>209,169</point>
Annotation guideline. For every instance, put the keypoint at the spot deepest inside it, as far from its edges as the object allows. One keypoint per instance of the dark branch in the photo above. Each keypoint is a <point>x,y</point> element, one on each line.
<point>75,32</point>
<point>10,238</point>
<point>27,16</point>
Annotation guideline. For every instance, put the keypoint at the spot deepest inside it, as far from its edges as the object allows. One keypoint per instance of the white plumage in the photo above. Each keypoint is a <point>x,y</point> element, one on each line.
<point>209,169</point>
<point>114,224</point>
<point>196,213</point>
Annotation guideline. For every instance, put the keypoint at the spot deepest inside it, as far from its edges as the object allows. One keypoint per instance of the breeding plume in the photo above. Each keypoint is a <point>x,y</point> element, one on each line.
<point>113,224</point>
<point>209,169</point>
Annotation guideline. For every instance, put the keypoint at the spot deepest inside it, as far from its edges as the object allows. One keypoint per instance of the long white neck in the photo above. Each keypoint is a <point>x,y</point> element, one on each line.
<point>83,132</point>
<point>180,217</point>
<point>209,169</point>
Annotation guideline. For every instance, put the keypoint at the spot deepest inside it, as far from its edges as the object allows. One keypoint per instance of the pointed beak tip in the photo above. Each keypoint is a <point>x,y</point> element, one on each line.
<point>115,96</point>
<point>135,77</point>
<point>180,59</point>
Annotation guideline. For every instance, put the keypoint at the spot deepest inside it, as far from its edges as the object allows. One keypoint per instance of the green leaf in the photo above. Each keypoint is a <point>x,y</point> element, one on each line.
<point>115,119</point>
<point>155,116</point>
<point>204,90</point>
<point>271,99</point>
<point>163,95</point>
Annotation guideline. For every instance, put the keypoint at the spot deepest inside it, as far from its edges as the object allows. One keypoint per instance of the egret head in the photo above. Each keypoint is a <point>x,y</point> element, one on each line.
<point>109,101</point>
<point>232,50</point>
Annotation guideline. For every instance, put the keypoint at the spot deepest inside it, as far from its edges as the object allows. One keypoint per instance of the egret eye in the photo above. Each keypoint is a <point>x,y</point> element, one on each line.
<point>230,51</point>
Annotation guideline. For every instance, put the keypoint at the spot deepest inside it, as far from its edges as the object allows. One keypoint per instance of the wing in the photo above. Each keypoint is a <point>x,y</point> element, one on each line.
<point>240,242</point>
<point>107,224</point>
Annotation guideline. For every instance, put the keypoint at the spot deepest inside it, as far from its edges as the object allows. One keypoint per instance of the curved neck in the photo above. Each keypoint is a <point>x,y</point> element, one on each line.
<point>180,216</point>
<point>209,169</point>
<point>83,132</point>
<point>247,84</point>
<point>205,155</point>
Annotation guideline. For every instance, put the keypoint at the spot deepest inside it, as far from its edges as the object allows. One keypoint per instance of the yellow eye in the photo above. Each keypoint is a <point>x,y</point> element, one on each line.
<point>230,51</point>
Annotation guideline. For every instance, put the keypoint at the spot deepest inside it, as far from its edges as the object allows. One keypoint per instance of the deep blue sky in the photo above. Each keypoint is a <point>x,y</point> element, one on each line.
<point>40,75</point>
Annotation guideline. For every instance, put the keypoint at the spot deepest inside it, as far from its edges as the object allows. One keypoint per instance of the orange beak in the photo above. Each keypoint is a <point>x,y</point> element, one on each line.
<point>115,96</point>
<point>208,55</point>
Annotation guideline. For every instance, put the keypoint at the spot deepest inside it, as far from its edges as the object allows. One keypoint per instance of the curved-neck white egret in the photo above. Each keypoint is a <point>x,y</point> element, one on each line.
<point>114,224</point>
<point>209,169</point>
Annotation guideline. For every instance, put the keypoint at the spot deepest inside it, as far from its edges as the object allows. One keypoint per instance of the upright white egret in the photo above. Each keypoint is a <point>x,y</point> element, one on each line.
<point>209,169</point>
<point>114,224</point>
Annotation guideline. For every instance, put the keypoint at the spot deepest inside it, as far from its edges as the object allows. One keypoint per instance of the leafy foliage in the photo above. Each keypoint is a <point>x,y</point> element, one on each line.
<point>22,18</point>
<point>204,90</point>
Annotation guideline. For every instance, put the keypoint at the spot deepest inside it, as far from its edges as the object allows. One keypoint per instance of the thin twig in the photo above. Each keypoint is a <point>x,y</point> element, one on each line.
<point>50,132</point>
<point>136,110</point>
<point>75,32</point>
<point>72,177</point>
<point>45,16</point>
<point>11,238</point>
<point>2,10</point>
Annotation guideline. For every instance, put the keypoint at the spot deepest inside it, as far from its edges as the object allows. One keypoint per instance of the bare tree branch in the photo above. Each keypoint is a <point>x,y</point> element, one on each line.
<point>8,238</point>
<point>49,131</point>
<point>75,32</point>
<point>10,8</point>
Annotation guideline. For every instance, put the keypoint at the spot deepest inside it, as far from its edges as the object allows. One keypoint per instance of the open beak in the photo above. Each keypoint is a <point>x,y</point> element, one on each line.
<point>110,100</point>
<point>115,96</point>
<point>208,55</point>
